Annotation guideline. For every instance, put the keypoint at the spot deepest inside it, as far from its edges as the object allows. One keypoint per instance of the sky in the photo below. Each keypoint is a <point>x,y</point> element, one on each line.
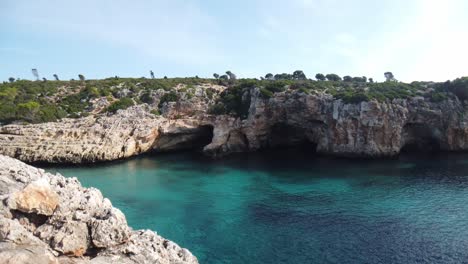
<point>417,40</point>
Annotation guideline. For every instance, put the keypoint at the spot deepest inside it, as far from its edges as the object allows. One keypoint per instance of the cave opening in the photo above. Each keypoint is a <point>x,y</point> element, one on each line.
<point>284,136</point>
<point>418,137</point>
<point>191,139</point>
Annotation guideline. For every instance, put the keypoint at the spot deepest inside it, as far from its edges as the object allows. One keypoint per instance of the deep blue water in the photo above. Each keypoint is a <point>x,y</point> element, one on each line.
<point>288,207</point>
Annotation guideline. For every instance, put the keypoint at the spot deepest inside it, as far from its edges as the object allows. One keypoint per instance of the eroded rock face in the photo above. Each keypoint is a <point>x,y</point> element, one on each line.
<point>103,138</point>
<point>326,125</point>
<point>82,227</point>
<point>367,129</point>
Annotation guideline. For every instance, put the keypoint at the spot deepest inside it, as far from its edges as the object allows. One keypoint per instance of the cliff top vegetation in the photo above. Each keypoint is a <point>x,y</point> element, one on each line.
<point>45,100</point>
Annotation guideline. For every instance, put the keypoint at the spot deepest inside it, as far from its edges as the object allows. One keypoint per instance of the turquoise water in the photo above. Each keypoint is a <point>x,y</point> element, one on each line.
<point>288,207</point>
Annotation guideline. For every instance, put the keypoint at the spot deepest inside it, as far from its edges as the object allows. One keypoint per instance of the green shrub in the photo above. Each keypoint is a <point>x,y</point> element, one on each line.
<point>304,90</point>
<point>147,98</point>
<point>209,93</point>
<point>217,109</point>
<point>236,100</point>
<point>265,93</point>
<point>123,103</point>
<point>438,97</point>
<point>155,112</point>
<point>168,97</point>
<point>276,86</point>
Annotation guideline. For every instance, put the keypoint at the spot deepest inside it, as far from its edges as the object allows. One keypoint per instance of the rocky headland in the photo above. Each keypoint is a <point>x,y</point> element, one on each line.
<point>326,124</point>
<point>46,218</point>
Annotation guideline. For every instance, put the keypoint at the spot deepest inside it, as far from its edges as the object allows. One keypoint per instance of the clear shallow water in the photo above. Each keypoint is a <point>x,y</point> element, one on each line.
<point>293,208</point>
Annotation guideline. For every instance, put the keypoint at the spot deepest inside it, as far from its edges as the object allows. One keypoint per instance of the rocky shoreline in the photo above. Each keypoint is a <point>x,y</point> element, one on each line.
<point>327,125</point>
<point>46,218</point>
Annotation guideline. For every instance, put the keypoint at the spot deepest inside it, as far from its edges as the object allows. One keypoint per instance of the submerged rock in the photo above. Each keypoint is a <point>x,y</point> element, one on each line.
<point>46,218</point>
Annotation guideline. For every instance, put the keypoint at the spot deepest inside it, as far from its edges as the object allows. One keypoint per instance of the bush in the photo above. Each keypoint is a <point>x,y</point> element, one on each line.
<point>155,112</point>
<point>123,103</point>
<point>265,93</point>
<point>209,93</point>
<point>438,97</point>
<point>147,98</point>
<point>169,97</point>
<point>217,109</point>
<point>277,86</point>
<point>303,90</point>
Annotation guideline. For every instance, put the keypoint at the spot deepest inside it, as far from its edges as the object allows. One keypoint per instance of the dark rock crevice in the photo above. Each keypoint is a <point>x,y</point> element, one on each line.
<point>285,135</point>
<point>193,139</point>
<point>417,137</point>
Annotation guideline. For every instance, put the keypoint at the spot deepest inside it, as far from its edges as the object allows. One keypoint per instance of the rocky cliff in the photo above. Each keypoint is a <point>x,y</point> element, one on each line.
<point>330,126</point>
<point>318,120</point>
<point>47,218</point>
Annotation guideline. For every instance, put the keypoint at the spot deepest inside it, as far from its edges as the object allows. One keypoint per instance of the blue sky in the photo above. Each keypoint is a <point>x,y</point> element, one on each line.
<point>415,39</point>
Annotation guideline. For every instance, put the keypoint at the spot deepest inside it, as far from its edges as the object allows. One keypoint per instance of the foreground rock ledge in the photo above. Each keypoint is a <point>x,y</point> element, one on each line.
<point>46,218</point>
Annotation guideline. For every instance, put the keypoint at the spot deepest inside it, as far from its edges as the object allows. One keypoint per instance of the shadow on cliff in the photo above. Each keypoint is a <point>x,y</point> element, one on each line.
<point>421,139</point>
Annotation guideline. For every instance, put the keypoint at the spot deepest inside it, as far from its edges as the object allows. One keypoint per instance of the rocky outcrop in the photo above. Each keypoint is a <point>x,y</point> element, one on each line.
<point>324,124</point>
<point>101,138</point>
<point>332,127</point>
<point>46,218</point>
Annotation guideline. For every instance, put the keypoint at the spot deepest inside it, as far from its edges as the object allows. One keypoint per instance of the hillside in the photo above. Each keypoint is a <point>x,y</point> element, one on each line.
<point>45,101</point>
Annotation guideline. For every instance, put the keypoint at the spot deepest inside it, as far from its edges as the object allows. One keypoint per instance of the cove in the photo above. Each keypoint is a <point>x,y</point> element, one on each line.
<point>293,207</point>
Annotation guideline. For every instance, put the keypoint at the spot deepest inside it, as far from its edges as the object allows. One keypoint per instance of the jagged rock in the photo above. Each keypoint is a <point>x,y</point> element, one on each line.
<point>366,129</point>
<point>83,228</point>
<point>18,245</point>
<point>329,126</point>
<point>37,198</point>
<point>110,231</point>
<point>129,132</point>
<point>69,238</point>
<point>11,253</point>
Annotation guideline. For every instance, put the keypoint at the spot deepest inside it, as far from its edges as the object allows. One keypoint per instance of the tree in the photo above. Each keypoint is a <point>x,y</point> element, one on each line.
<point>333,77</point>
<point>299,75</point>
<point>27,111</point>
<point>360,79</point>
<point>44,79</point>
<point>371,80</point>
<point>35,73</point>
<point>231,75</point>
<point>283,76</point>
<point>81,76</point>
<point>152,74</point>
<point>215,75</point>
<point>224,77</point>
<point>320,77</point>
<point>347,78</point>
<point>56,77</point>
<point>389,77</point>
<point>269,76</point>
<point>11,79</point>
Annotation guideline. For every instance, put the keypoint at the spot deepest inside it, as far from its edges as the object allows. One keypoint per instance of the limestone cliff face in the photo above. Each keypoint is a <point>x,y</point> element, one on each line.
<point>46,218</point>
<point>101,138</point>
<point>367,129</point>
